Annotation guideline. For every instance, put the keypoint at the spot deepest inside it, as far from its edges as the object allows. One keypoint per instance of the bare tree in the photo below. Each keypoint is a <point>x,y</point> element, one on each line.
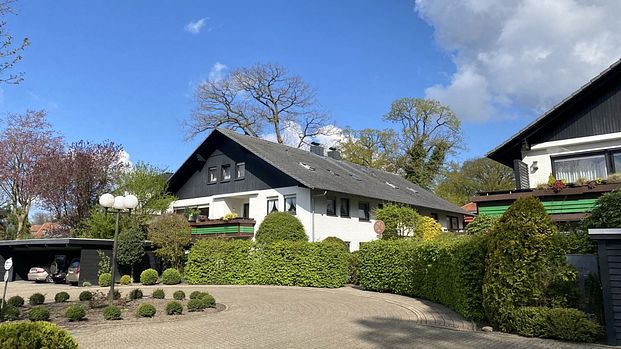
<point>27,145</point>
<point>10,54</point>
<point>257,99</point>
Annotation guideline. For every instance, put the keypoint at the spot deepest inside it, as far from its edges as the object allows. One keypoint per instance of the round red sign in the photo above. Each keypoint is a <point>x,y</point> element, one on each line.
<point>379,227</point>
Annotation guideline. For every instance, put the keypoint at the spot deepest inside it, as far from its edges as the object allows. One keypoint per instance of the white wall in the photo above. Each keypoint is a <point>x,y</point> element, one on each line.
<point>542,153</point>
<point>349,229</point>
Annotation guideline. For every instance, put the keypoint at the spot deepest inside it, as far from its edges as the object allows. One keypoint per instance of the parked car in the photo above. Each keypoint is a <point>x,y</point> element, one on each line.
<point>73,273</point>
<point>39,274</point>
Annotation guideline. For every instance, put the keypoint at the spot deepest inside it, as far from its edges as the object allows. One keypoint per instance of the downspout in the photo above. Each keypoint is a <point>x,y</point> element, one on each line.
<point>313,212</point>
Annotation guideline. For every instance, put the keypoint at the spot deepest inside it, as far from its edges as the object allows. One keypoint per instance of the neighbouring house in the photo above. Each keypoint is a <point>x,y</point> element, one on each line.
<point>471,210</point>
<point>47,229</point>
<point>230,173</point>
<point>569,156</point>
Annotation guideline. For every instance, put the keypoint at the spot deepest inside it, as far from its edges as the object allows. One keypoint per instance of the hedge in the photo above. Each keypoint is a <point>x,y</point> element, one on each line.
<point>560,323</point>
<point>449,271</point>
<point>35,335</point>
<point>287,263</point>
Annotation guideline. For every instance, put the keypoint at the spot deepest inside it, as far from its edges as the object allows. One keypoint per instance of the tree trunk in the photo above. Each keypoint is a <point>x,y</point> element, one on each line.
<point>22,218</point>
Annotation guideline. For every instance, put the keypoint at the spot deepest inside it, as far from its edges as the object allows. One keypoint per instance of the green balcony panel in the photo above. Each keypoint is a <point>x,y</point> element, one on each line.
<point>552,207</point>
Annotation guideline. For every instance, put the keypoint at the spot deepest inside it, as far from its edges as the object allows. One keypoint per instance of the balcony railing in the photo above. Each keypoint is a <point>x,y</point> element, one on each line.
<point>242,228</point>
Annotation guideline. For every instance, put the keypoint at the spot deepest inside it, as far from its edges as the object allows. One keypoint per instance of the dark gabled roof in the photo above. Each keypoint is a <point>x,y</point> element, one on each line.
<point>325,173</point>
<point>510,149</point>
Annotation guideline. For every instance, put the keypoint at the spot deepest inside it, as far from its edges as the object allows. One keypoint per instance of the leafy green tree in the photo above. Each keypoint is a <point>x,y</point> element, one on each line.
<point>606,213</point>
<point>170,233</point>
<point>130,250</point>
<point>425,133</point>
<point>460,183</point>
<point>400,221</point>
<point>149,184</point>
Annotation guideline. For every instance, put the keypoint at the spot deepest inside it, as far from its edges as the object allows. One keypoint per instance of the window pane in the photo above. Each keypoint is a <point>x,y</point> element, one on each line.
<point>587,167</point>
<point>363,211</point>
<point>226,172</point>
<point>240,170</point>
<point>344,207</point>
<point>212,175</point>
<point>617,160</point>
<point>272,205</point>
<point>290,203</point>
<point>331,207</point>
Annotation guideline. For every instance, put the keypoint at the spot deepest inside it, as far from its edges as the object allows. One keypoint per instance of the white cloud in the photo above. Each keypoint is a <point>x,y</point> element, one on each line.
<point>291,136</point>
<point>124,160</point>
<point>217,72</point>
<point>526,54</point>
<point>194,27</point>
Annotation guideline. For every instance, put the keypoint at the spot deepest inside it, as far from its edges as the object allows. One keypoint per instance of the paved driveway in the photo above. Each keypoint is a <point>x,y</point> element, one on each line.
<point>291,317</point>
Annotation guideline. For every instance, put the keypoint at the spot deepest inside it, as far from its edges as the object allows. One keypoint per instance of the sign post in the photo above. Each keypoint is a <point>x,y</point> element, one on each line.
<point>8,264</point>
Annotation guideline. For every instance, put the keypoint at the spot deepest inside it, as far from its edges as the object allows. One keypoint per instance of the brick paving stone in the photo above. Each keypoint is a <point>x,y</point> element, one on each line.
<point>296,317</point>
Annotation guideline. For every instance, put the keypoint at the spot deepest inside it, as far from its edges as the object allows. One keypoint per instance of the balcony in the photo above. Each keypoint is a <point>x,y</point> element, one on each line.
<point>238,228</point>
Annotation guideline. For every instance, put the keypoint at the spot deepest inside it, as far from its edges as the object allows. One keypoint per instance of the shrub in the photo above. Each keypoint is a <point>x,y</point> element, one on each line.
<point>171,276</point>
<point>574,242</point>
<point>135,294</point>
<point>35,335</point>
<point>61,297</point>
<point>9,313</point>
<point>428,228</point>
<point>399,221</point>
<point>146,310</point>
<point>112,312</point>
<point>299,263</point>
<point>86,296</point>
<point>196,304</point>
<point>158,294</point>
<point>482,225</point>
<point>560,323</point>
<point>179,295</point>
<point>149,277</point>
<point>116,295</point>
<point>174,308</point>
<point>105,279</point>
<point>279,226</point>
<point>606,213</point>
<point>520,262</point>
<point>195,294</point>
<point>208,300</point>
<point>75,312</point>
<point>36,299</point>
<point>16,301</point>
<point>125,280</point>
<point>39,313</point>
<point>448,271</point>
<point>353,265</point>
<point>335,240</point>
<point>86,284</point>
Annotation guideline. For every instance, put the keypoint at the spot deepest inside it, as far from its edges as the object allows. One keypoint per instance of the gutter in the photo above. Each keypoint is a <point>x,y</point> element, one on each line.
<point>325,192</point>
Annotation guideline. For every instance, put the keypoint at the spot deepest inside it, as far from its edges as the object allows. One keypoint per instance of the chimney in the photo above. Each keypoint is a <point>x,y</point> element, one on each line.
<point>334,153</point>
<point>316,148</point>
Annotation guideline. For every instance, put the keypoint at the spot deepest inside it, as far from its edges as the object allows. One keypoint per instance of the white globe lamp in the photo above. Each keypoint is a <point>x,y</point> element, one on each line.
<point>131,202</point>
<point>106,200</point>
<point>119,203</point>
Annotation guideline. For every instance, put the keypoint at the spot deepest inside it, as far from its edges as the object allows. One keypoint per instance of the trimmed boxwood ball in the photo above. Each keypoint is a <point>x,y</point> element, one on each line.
<point>208,300</point>
<point>61,297</point>
<point>149,277</point>
<point>196,304</point>
<point>16,301</point>
<point>75,312</point>
<point>9,313</point>
<point>135,294</point>
<point>146,310</point>
<point>561,323</point>
<point>39,313</point>
<point>279,226</point>
<point>36,299</point>
<point>112,312</point>
<point>86,296</point>
<point>335,240</point>
<point>125,280</point>
<point>105,279</point>
<point>43,334</point>
<point>171,276</point>
<point>174,308</point>
<point>195,294</point>
<point>179,295</point>
<point>158,294</point>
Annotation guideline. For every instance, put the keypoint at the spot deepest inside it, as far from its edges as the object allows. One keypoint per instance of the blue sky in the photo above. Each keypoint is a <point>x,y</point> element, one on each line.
<point>125,70</point>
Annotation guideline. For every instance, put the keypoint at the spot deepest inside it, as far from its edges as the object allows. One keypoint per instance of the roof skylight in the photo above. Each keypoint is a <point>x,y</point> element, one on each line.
<point>412,190</point>
<point>355,177</point>
<point>392,185</point>
<point>307,166</point>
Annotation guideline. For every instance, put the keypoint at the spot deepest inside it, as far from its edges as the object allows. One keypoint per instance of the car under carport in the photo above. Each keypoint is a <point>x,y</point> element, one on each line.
<point>41,252</point>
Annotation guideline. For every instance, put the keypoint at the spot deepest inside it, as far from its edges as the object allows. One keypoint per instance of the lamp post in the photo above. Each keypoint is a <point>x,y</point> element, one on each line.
<point>119,204</point>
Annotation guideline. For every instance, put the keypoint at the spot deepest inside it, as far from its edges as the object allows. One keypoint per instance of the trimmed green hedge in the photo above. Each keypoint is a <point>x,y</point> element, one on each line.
<point>35,335</point>
<point>561,323</point>
<point>449,271</point>
<point>287,263</point>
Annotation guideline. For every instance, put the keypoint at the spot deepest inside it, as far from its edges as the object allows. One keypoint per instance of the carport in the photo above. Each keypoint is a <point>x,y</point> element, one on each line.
<point>40,252</point>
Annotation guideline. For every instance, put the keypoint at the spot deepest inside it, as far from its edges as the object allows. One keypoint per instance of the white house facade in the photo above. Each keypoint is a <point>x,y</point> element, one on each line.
<point>232,173</point>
